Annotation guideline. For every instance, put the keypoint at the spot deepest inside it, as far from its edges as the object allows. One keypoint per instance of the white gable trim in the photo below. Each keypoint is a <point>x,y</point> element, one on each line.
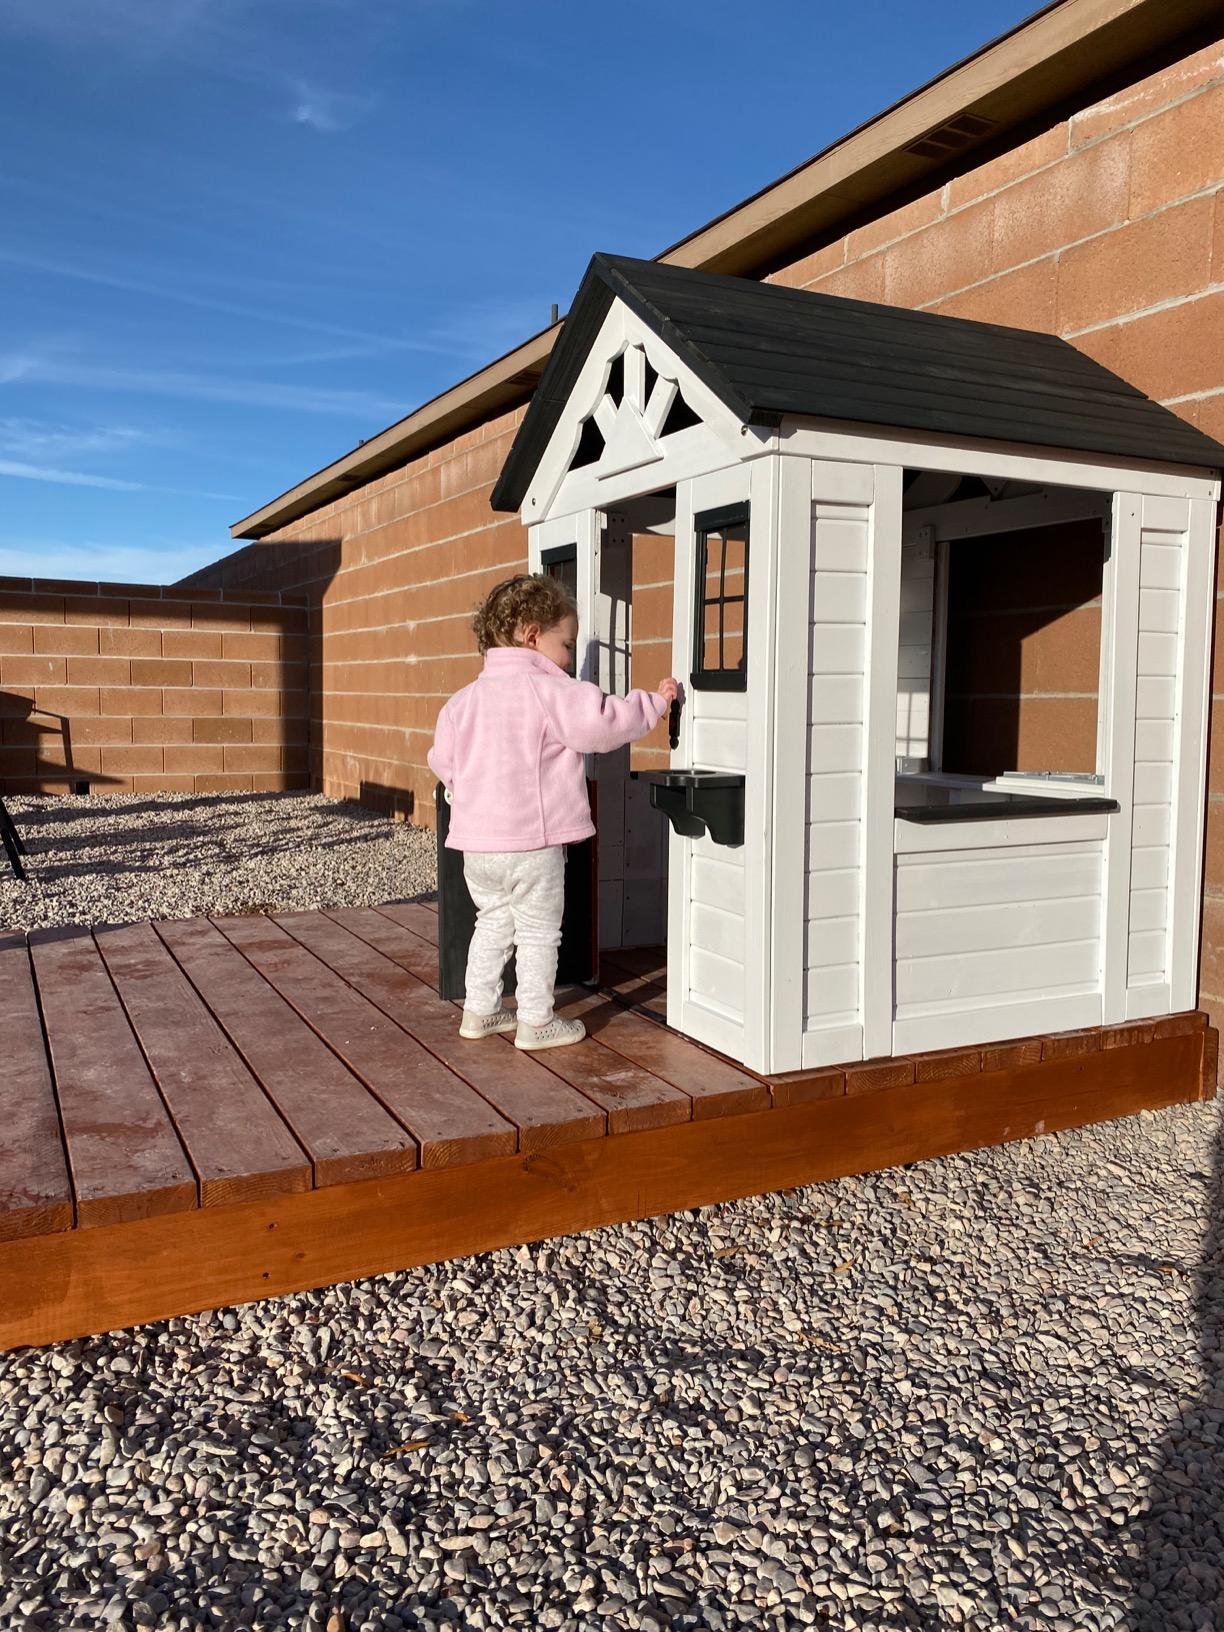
<point>636,459</point>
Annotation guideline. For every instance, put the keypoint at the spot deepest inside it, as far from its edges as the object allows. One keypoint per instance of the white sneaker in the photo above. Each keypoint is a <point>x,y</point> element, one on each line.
<point>557,1033</point>
<point>476,1026</point>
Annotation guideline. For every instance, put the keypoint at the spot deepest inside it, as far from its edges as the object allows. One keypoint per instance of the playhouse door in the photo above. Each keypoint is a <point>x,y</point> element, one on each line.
<point>710,946</point>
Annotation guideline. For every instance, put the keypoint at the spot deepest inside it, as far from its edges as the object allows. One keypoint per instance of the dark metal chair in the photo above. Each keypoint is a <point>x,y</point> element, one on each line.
<point>12,840</point>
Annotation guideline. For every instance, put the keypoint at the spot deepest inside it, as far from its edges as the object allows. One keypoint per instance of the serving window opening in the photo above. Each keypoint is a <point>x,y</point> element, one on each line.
<point>1000,665</point>
<point>720,640</point>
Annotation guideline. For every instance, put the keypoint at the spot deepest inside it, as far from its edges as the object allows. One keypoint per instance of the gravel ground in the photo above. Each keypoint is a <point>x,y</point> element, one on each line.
<point>168,855</point>
<point>982,1392</point>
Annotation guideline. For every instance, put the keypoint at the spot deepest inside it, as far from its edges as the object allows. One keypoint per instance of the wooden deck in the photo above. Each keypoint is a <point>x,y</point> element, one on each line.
<point>203,1112</point>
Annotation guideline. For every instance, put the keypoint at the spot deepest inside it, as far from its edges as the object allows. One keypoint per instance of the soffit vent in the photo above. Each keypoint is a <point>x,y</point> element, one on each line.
<point>954,137</point>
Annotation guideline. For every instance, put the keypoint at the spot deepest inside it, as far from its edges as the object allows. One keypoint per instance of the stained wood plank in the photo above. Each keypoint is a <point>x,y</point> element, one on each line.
<point>416,916</point>
<point>631,1098</point>
<point>83,1281</point>
<point>123,1152</point>
<point>450,1123</point>
<point>347,1132</point>
<point>236,1139</point>
<point>715,1086</point>
<point>35,1193</point>
<point>362,946</point>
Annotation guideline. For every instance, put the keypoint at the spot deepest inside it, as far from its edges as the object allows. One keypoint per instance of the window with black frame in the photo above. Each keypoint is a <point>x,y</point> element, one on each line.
<point>562,564</point>
<point>720,635</point>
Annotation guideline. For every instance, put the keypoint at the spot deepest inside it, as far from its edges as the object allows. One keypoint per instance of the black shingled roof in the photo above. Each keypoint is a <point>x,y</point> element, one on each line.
<point>766,351</point>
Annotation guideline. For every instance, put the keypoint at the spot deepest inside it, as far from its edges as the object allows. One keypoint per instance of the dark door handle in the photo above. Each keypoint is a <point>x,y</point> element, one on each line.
<point>673,724</point>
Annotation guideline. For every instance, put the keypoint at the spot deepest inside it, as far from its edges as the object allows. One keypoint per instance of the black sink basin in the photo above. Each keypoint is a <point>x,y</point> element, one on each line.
<point>697,802</point>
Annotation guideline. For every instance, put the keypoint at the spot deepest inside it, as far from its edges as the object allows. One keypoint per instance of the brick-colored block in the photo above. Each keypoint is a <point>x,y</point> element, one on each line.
<point>873,1075</point>
<point>99,671</point>
<point>954,253</point>
<point>33,671</point>
<point>1211,967</point>
<point>1026,298</point>
<point>100,610</point>
<point>190,700</point>
<point>162,728</point>
<point>64,640</point>
<point>275,782</point>
<point>132,761</point>
<point>248,647</point>
<point>1086,193</point>
<point>17,761</point>
<point>1136,266</point>
<point>1167,353</point>
<point>164,782</point>
<point>153,671</point>
<point>131,700</point>
<point>31,608</point>
<point>253,703</point>
<point>158,615</point>
<point>1178,152</point>
<point>1063,1045</point>
<point>220,672</point>
<point>1008,168</point>
<point>191,643</point>
<point>68,701</point>
<point>16,640</point>
<point>1011,1056</point>
<point>254,757</point>
<point>119,642</point>
<point>938,1064</point>
<point>223,617</point>
<point>280,676</point>
<point>196,758</point>
<point>295,758</point>
<point>1144,96</point>
<point>222,730</point>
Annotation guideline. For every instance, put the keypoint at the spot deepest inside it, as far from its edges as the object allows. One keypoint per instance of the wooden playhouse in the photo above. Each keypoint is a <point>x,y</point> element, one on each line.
<point>872,853</point>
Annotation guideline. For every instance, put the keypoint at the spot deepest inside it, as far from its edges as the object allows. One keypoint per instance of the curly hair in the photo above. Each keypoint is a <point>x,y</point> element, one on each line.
<point>526,598</point>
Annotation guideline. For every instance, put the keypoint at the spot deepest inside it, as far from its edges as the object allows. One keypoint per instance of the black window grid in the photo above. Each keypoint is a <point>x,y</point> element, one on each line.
<point>706,522</point>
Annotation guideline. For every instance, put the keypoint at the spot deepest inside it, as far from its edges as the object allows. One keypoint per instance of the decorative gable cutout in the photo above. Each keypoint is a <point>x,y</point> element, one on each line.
<point>637,410</point>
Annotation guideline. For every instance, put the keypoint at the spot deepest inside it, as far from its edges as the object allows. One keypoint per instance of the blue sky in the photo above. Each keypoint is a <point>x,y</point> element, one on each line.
<point>240,236</point>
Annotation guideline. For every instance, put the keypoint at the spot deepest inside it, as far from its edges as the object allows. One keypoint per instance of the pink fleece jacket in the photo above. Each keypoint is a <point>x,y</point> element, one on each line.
<point>508,749</point>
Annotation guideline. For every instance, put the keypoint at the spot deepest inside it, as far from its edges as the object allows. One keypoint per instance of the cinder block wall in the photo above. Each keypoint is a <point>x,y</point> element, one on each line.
<point>132,688</point>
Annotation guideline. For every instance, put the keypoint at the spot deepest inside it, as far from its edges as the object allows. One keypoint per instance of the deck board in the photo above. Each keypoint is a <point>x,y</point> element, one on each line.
<point>347,1133</point>
<point>632,1098</point>
<point>450,1123</point>
<point>35,1192</point>
<point>238,1143</point>
<point>361,945</point>
<point>123,1151</point>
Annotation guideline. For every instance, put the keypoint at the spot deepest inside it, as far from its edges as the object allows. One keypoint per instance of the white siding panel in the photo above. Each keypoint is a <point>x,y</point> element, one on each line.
<point>835,754</point>
<point>834,844</point>
<point>718,882</point>
<point>717,930</point>
<point>838,648</point>
<point>716,982</point>
<point>986,928</point>
<point>838,700</point>
<point>720,745</point>
<point>836,747</point>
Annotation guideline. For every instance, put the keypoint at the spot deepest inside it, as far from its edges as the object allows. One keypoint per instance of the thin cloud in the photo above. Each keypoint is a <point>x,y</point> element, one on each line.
<point>52,370</point>
<point>24,471</point>
<point>325,111</point>
<point>138,286</point>
<point>23,557</point>
<point>36,439</point>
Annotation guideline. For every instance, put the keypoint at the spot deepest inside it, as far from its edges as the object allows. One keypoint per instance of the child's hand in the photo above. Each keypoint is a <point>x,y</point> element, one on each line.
<point>669,690</point>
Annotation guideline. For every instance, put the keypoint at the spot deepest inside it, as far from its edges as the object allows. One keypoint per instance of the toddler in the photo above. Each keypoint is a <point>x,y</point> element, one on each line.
<point>508,749</point>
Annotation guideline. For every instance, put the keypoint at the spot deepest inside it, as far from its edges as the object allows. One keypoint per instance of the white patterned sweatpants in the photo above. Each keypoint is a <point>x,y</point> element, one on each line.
<point>519,897</point>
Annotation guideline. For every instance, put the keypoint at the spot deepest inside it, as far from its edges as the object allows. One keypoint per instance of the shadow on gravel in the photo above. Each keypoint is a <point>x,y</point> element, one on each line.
<point>1178,1570</point>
